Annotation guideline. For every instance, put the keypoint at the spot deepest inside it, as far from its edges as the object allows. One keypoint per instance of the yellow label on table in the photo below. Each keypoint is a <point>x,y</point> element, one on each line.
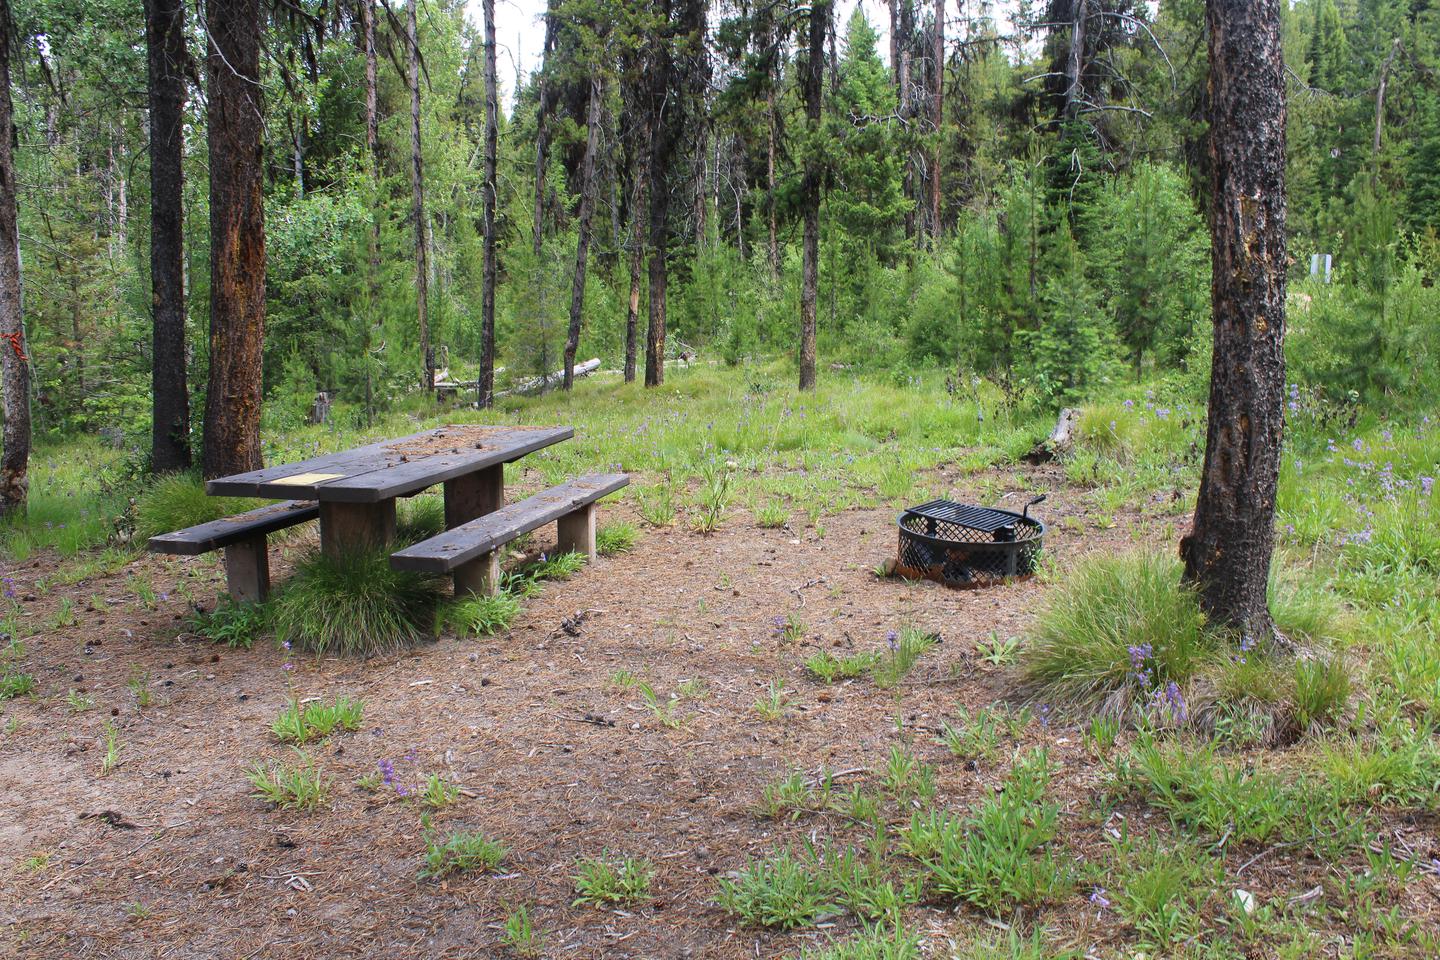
<point>307,479</point>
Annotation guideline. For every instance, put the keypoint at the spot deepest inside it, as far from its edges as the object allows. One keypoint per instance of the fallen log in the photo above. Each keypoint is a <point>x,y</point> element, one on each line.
<point>1060,439</point>
<point>537,384</point>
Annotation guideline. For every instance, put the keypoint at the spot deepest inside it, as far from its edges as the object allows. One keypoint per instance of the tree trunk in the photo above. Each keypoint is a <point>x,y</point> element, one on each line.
<point>1380,94</point>
<point>811,82</point>
<point>170,401</point>
<point>372,149</point>
<point>1228,551</point>
<point>582,241</point>
<point>1075,64</point>
<point>14,361</point>
<point>485,382</point>
<point>542,157</point>
<point>237,238</point>
<point>773,249</point>
<point>906,30</point>
<point>417,205</point>
<point>638,154</point>
<point>937,119</point>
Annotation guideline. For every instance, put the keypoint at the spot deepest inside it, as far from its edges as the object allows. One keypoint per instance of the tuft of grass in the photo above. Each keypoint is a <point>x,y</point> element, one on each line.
<point>560,566</point>
<point>420,518</point>
<point>616,538</point>
<point>299,724</point>
<point>113,747</point>
<point>178,500</point>
<point>1159,889</point>
<point>973,738</point>
<point>657,505</point>
<point>781,892</point>
<point>14,684</point>
<point>793,796</point>
<point>460,852</point>
<point>479,616</point>
<point>298,785</point>
<point>437,792</point>
<point>354,605</point>
<point>827,668</point>
<point>1321,689</point>
<point>1118,627</point>
<point>603,882</point>
<point>775,703</point>
<point>519,933</point>
<point>905,648</point>
<point>772,515</point>
<point>233,624</point>
<point>873,943</point>
<point>1001,856</point>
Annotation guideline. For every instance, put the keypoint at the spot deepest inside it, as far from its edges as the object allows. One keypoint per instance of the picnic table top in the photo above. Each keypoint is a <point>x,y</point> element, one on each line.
<point>391,468</point>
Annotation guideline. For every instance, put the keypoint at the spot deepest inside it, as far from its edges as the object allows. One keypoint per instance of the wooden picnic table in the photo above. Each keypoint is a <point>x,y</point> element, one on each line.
<point>356,489</point>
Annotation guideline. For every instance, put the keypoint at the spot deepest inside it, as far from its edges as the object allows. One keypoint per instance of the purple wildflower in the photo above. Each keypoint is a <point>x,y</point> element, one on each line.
<point>1098,898</point>
<point>387,771</point>
<point>1426,485</point>
<point>892,640</point>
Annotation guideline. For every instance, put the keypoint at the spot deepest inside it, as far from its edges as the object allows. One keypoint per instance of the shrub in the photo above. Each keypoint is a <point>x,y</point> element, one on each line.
<point>178,500</point>
<point>1115,630</point>
<point>354,604</point>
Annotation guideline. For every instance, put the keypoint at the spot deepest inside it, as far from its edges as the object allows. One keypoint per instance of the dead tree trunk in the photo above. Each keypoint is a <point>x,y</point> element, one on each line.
<point>1075,63</point>
<point>1227,553</point>
<point>906,30</point>
<point>1380,94</point>
<point>237,237</point>
<point>937,119</point>
<point>372,150</point>
<point>637,152</point>
<point>811,79</point>
<point>582,240</point>
<point>542,158</point>
<point>170,401</point>
<point>485,382</point>
<point>417,202</point>
<point>14,361</point>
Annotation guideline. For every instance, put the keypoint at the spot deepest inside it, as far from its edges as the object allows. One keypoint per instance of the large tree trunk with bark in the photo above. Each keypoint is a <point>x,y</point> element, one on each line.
<point>582,240</point>
<point>170,401</point>
<point>417,201</point>
<point>811,81</point>
<point>237,238</point>
<point>372,150</point>
<point>1228,551</point>
<point>14,360</point>
<point>485,382</point>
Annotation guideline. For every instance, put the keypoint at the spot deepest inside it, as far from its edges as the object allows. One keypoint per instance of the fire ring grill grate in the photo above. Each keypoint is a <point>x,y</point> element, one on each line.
<point>966,546</point>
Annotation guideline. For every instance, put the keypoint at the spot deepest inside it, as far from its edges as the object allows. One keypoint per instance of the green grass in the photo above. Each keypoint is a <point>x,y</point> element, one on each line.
<point>460,852</point>
<point>178,500</point>
<point>606,882</point>
<point>233,624</point>
<point>783,892</point>
<point>876,943</point>
<point>616,538</point>
<point>1084,652</point>
<point>559,566</point>
<point>295,785</point>
<point>300,723</point>
<point>354,605</point>
<point>479,616</point>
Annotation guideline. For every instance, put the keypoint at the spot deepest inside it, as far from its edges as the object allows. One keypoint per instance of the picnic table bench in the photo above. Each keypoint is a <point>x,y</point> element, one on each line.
<point>353,493</point>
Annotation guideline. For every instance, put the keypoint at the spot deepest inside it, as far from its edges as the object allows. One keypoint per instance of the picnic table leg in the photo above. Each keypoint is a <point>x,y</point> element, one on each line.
<point>576,531</point>
<point>474,495</point>
<point>479,576</point>
<point>247,570</point>
<point>345,527</point>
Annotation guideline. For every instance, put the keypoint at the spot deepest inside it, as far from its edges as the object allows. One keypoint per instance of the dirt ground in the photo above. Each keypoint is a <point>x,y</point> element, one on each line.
<point>170,856</point>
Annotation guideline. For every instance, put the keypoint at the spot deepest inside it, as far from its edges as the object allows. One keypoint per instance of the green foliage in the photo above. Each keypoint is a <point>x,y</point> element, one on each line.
<point>559,566</point>
<point>460,852</point>
<point>300,723</point>
<point>477,615</point>
<point>875,943</point>
<point>520,934</point>
<point>783,892</point>
<point>904,650</point>
<point>177,501</point>
<point>1000,857</point>
<point>1159,889</point>
<point>1114,631</point>
<point>233,624</point>
<point>605,882</point>
<point>616,538</point>
<point>355,605</point>
<point>298,784</point>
